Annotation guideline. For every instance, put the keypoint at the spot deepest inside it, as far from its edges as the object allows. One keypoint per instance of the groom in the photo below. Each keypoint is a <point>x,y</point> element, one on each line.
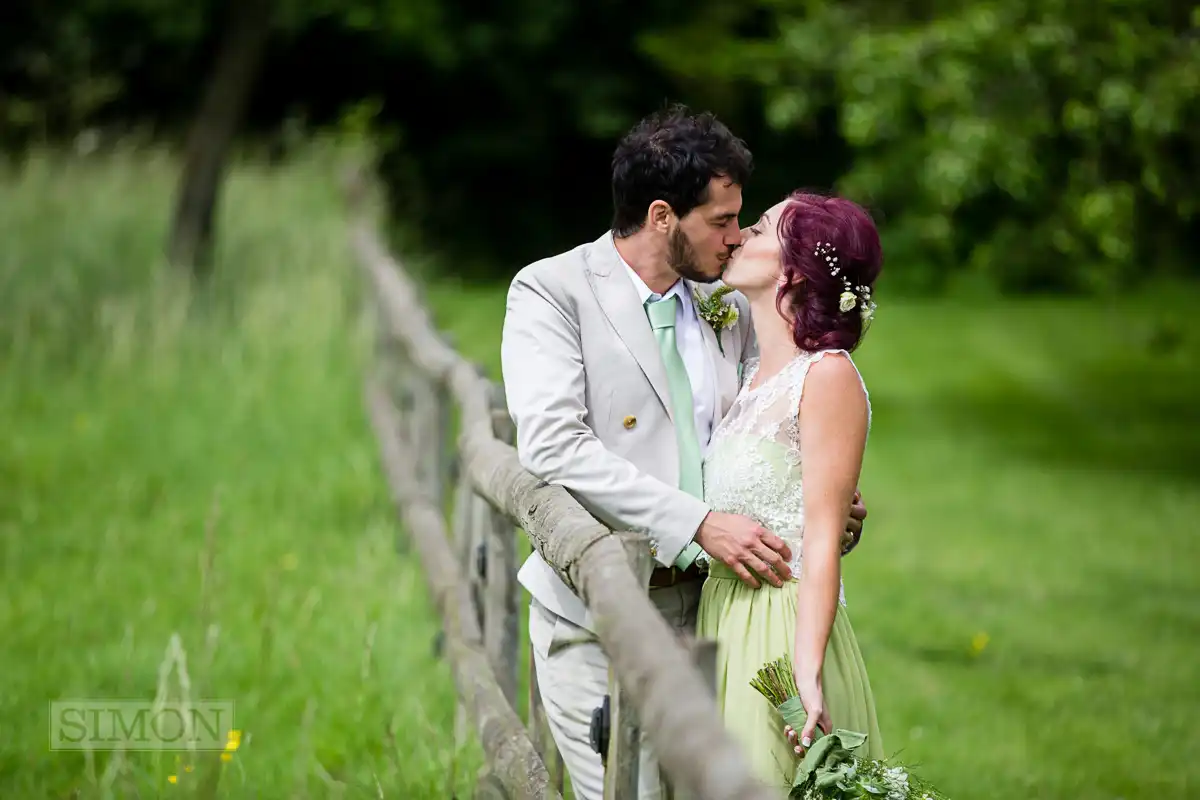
<point>615,380</point>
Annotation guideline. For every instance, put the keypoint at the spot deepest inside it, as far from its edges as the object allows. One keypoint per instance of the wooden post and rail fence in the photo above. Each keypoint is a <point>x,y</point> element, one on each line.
<point>461,499</point>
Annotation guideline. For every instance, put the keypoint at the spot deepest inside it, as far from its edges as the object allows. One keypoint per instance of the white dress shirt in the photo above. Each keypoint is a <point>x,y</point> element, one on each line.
<point>689,338</point>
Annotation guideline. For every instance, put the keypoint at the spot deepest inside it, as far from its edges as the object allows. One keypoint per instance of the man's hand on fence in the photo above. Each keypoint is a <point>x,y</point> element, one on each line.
<point>745,547</point>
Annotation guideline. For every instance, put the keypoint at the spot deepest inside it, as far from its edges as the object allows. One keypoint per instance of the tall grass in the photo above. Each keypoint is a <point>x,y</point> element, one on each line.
<point>188,479</point>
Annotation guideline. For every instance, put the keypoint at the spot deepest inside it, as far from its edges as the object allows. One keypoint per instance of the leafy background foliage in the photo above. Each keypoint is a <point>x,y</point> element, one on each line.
<point>1024,146</point>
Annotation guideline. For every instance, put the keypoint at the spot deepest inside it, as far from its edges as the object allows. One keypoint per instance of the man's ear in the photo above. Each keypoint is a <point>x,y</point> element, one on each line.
<point>659,216</point>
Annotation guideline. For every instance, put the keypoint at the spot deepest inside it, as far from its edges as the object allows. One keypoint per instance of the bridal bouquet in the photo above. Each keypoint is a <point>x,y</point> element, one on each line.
<point>830,770</point>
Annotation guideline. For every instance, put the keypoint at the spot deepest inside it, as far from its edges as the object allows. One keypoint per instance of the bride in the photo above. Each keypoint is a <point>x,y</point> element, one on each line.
<point>788,454</point>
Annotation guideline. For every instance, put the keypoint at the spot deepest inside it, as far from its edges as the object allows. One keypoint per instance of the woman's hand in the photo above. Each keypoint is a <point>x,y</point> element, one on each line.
<point>813,700</point>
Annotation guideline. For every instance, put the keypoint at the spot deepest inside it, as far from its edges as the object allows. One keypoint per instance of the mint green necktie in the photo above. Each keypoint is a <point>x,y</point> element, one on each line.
<point>691,475</point>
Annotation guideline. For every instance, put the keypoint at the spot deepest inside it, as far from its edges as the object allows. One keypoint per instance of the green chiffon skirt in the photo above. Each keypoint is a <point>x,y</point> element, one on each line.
<point>755,626</point>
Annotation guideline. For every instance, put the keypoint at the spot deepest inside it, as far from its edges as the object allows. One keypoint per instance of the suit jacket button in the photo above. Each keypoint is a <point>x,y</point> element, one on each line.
<point>630,421</point>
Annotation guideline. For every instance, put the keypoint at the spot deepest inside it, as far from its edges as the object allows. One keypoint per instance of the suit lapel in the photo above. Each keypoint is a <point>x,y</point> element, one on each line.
<point>619,301</point>
<point>725,375</point>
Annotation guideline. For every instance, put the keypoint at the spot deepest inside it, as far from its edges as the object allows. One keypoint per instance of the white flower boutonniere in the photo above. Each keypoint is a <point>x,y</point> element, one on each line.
<point>716,311</point>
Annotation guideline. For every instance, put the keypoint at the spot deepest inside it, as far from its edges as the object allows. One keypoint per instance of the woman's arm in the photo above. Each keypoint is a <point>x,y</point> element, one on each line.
<point>833,436</point>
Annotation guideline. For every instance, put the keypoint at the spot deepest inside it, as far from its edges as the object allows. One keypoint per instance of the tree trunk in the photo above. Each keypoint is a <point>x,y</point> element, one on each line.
<point>212,132</point>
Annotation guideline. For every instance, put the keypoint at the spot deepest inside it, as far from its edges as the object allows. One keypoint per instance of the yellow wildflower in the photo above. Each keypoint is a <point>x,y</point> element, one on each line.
<point>231,744</point>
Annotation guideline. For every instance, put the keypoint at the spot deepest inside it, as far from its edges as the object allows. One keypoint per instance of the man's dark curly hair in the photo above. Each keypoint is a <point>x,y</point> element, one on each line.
<point>672,155</point>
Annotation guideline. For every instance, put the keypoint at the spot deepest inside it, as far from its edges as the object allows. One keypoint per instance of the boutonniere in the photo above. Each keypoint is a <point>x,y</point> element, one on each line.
<point>716,311</point>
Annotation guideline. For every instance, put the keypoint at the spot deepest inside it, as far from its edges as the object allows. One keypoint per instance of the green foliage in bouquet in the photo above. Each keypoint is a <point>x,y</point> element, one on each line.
<point>830,770</point>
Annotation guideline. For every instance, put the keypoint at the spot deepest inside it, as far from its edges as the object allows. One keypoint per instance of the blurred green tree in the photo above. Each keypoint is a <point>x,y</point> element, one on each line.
<point>1038,145</point>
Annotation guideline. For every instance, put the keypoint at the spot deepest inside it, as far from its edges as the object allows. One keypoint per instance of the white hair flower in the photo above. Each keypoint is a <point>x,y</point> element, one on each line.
<point>858,296</point>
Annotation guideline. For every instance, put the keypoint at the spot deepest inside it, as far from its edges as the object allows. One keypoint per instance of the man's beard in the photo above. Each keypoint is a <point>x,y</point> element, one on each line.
<point>681,257</point>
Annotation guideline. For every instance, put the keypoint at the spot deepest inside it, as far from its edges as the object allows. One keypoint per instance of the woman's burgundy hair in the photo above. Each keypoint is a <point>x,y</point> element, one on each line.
<point>811,290</point>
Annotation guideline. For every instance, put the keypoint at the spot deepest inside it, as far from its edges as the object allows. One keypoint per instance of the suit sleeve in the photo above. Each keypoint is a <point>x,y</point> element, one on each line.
<point>542,363</point>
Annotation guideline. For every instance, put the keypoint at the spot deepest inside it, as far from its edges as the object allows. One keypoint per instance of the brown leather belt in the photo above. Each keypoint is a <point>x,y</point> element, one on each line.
<point>664,577</point>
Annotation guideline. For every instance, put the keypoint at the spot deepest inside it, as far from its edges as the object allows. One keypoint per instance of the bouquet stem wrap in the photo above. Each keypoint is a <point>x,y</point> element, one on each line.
<point>829,764</point>
<point>830,769</point>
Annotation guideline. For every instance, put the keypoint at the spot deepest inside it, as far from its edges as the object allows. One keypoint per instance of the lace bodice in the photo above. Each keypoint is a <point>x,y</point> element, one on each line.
<point>752,466</point>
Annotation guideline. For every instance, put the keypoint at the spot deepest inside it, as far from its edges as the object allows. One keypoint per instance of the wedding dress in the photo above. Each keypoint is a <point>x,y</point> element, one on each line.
<point>753,468</point>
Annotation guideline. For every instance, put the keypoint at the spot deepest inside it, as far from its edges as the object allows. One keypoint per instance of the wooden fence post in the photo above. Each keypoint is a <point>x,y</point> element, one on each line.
<point>424,428</point>
<point>462,526</point>
<point>385,355</point>
<point>489,788</point>
<point>442,450</point>
<point>704,655</point>
<point>400,375</point>
<point>501,626</point>
<point>624,744</point>
<point>444,475</point>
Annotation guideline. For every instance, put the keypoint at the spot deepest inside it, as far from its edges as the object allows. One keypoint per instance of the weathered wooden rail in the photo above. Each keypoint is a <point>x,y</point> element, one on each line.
<point>461,499</point>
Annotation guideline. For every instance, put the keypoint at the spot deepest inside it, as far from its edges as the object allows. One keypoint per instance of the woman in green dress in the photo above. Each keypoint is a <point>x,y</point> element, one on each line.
<point>788,454</point>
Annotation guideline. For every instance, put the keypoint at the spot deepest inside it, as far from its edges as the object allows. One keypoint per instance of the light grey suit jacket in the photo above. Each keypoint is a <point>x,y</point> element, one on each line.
<point>587,390</point>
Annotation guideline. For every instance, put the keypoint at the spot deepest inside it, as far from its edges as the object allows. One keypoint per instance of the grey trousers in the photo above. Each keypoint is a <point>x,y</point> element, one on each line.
<point>573,680</point>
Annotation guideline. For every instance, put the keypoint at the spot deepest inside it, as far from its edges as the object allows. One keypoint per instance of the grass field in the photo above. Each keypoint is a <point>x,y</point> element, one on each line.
<point>134,425</point>
<point>1027,594</point>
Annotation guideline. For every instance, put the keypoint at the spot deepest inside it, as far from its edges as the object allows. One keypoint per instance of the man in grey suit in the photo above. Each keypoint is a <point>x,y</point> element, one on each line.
<point>615,381</point>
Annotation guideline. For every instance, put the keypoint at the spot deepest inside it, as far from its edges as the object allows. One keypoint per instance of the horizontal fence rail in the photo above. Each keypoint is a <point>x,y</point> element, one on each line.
<point>660,685</point>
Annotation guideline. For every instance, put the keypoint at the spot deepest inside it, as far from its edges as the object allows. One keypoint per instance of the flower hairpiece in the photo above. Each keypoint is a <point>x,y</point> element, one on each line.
<point>849,297</point>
